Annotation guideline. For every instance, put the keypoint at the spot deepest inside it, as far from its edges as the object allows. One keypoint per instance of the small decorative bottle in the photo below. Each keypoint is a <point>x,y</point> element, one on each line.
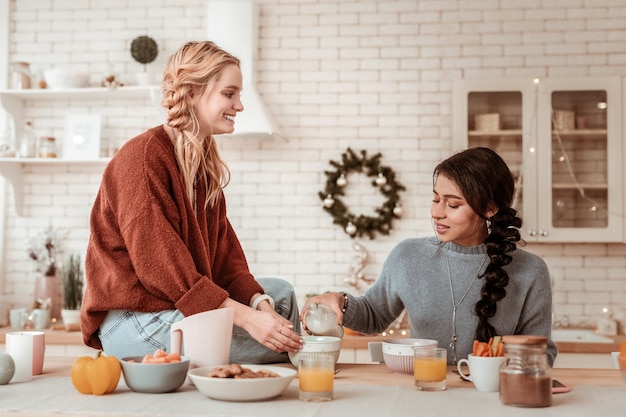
<point>28,145</point>
<point>321,321</point>
<point>21,75</point>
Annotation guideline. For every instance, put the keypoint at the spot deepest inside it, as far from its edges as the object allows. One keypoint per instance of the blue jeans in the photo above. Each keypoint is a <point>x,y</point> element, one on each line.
<point>128,333</point>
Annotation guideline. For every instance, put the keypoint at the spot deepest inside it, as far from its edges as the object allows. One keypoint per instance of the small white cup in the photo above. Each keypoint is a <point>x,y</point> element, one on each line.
<point>18,318</point>
<point>484,372</point>
<point>41,318</point>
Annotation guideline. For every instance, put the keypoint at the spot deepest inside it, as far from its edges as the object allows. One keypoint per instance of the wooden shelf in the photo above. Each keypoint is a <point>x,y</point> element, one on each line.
<point>578,134</point>
<point>517,133</point>
<point>584,186</point>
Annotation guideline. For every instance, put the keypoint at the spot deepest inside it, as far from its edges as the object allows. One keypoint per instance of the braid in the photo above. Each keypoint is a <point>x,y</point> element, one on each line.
<point>504,234</point>
<point>191,70</point>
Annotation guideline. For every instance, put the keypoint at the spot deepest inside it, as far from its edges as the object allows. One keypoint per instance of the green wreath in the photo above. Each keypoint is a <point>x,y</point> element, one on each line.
<point>384,179</point>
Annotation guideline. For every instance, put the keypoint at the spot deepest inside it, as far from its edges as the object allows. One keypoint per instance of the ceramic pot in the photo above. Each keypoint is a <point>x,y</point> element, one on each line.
<point>49,287</point>
<point>71,319</point>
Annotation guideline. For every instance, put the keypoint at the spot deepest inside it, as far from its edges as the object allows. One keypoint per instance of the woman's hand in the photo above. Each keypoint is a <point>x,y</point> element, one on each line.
<point>334,300</point>
<point>273,331</point>
<point>266,326</point>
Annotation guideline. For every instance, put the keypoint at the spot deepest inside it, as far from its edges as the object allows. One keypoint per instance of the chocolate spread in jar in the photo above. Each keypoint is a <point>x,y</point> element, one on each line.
<point>525,376</point>
<point>525,390</point>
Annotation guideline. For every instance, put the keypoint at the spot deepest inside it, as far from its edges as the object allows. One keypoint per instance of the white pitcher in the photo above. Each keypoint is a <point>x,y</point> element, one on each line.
<point>204,337</point>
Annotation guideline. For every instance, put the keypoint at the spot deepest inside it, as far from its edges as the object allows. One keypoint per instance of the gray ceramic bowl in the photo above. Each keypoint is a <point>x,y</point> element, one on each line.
<point>154,377</point>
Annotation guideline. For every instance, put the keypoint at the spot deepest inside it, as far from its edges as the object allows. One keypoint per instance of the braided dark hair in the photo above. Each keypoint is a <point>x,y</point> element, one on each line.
<point>486,182</point>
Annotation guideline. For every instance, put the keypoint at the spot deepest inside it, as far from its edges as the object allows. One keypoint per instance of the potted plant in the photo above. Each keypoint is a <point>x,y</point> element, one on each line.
<point>144,50</point>
<point>72,293</point>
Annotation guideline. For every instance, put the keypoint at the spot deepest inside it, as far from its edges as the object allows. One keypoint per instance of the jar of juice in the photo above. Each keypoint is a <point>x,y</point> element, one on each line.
<point>525,376</point>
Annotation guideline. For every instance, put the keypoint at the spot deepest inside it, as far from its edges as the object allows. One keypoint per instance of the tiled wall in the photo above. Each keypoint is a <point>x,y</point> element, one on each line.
<point>373,75</point>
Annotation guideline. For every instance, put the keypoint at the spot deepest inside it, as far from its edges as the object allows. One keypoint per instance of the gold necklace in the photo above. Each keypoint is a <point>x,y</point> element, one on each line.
<point>455,305</point>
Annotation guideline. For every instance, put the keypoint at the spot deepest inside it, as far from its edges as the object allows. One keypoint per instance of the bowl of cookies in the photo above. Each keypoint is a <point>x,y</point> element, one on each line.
<point>242,382</point>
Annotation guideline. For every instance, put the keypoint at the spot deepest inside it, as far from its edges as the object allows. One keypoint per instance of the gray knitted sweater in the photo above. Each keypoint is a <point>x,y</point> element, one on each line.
<point>415,276</point>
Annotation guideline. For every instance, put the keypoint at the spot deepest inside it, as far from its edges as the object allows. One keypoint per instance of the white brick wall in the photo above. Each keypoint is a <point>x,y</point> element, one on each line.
<point>374,75</point>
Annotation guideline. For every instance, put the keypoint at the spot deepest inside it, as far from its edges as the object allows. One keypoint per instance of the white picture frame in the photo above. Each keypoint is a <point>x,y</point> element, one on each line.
<point>81,139</point>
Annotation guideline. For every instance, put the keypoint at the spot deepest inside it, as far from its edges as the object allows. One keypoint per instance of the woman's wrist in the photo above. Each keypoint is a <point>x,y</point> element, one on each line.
<point>263,297</point>
<point>345,302</point>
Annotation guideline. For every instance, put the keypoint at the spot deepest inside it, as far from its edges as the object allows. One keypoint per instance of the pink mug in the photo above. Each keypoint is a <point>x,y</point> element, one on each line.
<point>205,337</point>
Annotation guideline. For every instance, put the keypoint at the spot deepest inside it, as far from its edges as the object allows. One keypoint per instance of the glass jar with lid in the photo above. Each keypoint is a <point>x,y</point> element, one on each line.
<point>525,376</point>
<point>47,147</point>
<point>21,75</point>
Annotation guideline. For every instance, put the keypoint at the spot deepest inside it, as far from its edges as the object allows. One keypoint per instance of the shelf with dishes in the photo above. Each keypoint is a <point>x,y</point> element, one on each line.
<point>17,102</point>
<point>562,136</point>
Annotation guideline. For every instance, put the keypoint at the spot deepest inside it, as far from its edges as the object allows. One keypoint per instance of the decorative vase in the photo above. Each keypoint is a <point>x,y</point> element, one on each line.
<point>49,287</point>
<point>71,319</point>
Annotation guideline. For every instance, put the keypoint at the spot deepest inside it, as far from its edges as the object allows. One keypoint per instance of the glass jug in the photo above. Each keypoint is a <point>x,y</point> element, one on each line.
<point>321,321</point>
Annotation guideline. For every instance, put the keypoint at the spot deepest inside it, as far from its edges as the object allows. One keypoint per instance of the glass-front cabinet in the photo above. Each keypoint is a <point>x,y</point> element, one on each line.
<point>562,141</point>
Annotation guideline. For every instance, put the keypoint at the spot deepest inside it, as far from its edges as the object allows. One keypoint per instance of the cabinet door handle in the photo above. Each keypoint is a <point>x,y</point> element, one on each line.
<point>543,233</point>
<point>532,232</point>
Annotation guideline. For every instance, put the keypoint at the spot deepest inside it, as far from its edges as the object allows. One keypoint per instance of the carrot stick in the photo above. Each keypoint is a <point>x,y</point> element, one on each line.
<point>173,357</point>
<point>152,359</point>
<point>482,349</point>
<point>160,353</point>
<point>500,349</point>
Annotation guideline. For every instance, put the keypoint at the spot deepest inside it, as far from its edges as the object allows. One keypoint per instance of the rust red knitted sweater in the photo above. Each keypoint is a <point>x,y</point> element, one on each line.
<point>147,249</point>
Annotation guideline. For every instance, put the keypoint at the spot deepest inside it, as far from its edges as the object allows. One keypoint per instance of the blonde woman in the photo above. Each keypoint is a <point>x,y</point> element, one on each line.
<point>161,246</point>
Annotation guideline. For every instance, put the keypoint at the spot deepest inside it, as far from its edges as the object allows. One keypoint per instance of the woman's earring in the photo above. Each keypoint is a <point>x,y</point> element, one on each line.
<point>488,222</point>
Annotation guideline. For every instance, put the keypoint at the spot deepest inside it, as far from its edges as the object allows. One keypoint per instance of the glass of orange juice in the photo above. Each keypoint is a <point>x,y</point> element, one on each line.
<point>430,368</point>
<point>316,374</point>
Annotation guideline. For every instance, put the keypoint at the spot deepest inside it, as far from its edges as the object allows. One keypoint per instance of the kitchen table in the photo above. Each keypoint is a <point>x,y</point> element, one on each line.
<point>360,389</point>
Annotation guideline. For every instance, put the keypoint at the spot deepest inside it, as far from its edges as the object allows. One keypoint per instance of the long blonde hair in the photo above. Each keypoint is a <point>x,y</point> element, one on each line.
<point>194,69</point>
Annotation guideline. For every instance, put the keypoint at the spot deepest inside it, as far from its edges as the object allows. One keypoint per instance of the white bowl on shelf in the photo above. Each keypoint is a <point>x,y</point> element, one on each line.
<point>65,78</point>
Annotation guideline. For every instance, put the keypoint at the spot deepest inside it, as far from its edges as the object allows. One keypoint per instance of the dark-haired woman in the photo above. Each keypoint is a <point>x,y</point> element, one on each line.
<point>469,282</point>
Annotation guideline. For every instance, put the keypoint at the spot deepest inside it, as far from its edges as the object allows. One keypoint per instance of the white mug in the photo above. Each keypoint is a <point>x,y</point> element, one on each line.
<point>484,372</point>
<point>41,318</point>
<point>18,318</point>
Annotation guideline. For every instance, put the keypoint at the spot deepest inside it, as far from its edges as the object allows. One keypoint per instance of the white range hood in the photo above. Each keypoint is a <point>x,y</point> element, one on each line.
<point>233,25</point>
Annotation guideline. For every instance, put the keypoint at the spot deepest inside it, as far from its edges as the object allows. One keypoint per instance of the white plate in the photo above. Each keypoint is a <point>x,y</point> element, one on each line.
<point>253,389</point>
